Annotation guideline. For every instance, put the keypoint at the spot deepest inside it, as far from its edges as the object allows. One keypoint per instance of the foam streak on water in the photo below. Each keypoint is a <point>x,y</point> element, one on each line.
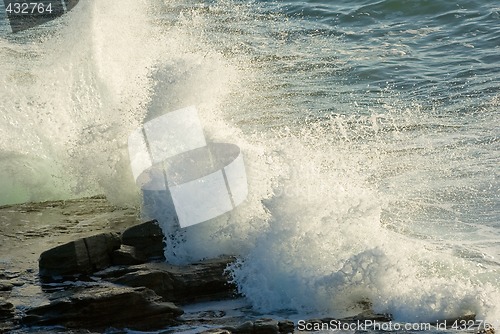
<point>368,130</point>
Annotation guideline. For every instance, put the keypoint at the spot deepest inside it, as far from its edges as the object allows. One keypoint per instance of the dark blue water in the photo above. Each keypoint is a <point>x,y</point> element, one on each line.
<point>436,52</point>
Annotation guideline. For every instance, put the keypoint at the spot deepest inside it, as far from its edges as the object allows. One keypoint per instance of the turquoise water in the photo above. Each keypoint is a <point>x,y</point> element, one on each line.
<point>369,129</point>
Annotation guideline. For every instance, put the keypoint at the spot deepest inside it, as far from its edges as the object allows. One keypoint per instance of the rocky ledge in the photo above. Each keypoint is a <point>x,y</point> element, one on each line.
<point>123,281</point>
<point>100,307</point>
<point>200,281</point>
<point>137,244</point>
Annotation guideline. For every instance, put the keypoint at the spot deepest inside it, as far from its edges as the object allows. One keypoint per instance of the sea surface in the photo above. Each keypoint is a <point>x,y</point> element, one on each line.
<point>370,133</point>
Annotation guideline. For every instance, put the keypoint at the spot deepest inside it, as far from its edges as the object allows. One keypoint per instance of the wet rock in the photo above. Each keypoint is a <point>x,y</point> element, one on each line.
<point>147,238</point>
<point>82,256</point>
<point>362,317</point>
<point>103,307</point>
<point>8,326</point>
<point>6,309</point>
<point>127,255</point>
<point>8,318</point>
<point>6,286</point>
<point>368,315</point>
<point>216,331</point>
<point>286,326</point>
<point>205,280</point>
<point>264,326</point>
<point>17,283</point>
<point>9,274</point>
<point>244,328</point>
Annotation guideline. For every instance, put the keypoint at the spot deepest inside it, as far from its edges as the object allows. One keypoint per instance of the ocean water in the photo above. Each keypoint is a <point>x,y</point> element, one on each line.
<point>369,131</point>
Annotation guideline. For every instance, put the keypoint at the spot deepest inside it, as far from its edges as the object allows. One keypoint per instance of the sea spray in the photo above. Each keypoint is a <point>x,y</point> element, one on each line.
<point>327,251</point>
<point>338,205</point>
<point>66,110</point>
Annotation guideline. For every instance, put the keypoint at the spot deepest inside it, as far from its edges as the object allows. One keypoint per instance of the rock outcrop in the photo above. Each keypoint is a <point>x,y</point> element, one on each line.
<point>121,290</point>
<point>205,280</point>
<point>6,286</point>
<point>6,309</point>
<point>127,255</point>
<point>263,326</point>
<point>105,306</point>
<point>7,316</point>
<point>147,240</point>
<point>82,256</point>
<point>137,244</point>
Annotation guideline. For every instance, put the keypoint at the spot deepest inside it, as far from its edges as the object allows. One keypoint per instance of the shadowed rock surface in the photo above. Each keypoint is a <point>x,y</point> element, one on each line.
<point>216,331</point>
<point>5,286</point>
<point>263,326</point>
<point>7,316</point>
<point>6,310</point>
<point>146,238</point>
<point>199,281</point>
<point>127,255</point>
<point>103,307</point>
<point>82,256</point>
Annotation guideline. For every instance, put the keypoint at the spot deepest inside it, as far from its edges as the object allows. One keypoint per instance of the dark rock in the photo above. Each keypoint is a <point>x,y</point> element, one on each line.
<point>286,326</point>
<point>244,328</point>
<point>216,331</point>
<point>6,286</point>
<point>265,326</point>
<point>147,238</point>
<point>8,318</point>
<point>6,309</point>
<point>82,256</point>
<point>9,274</point>
<point>199,281</point>
<point>8,326</point>
<point>126,255</point>
<point>103,307</point>
<point>368,315</point>
<point>363,317</point>
<point>18,283</point>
